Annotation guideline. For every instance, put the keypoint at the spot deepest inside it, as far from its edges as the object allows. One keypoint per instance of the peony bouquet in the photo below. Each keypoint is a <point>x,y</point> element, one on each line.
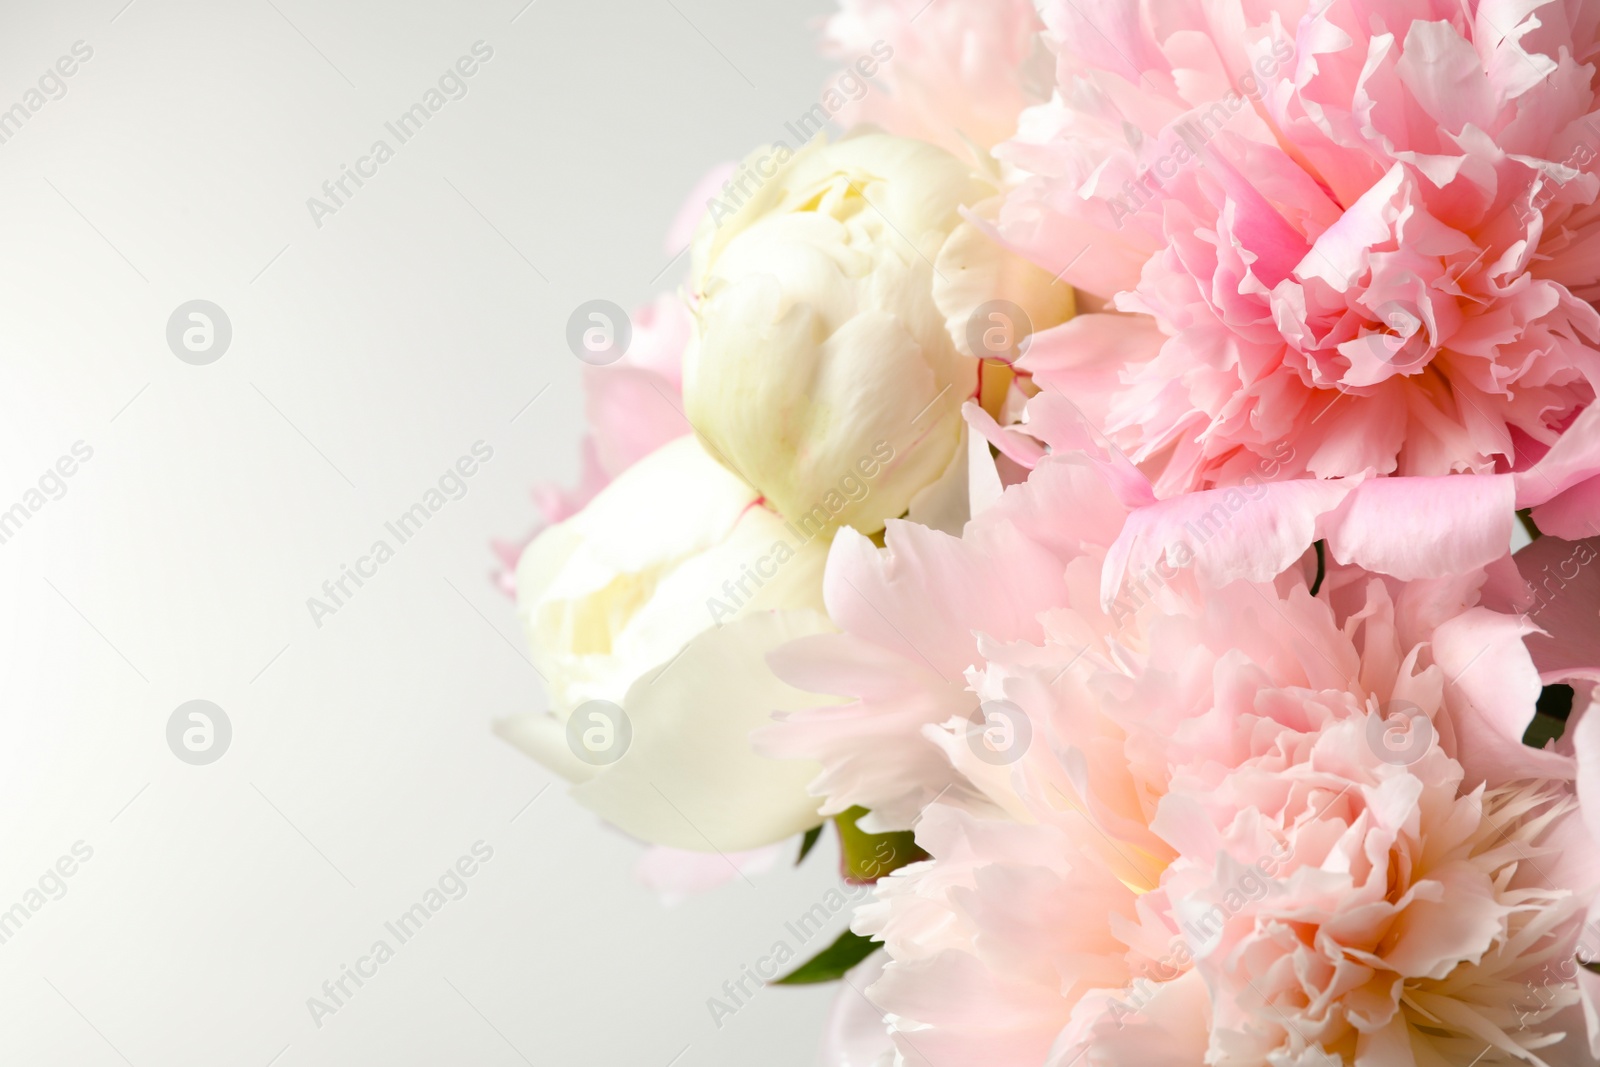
<point>1136,481</point>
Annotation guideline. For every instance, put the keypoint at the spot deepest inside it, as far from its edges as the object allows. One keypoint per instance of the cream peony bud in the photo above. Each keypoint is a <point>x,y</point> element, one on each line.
<point>662,597</point>
<point>823,370</point>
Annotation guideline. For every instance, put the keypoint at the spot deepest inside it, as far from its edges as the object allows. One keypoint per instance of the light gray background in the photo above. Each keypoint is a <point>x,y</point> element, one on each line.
<point>366,357</point>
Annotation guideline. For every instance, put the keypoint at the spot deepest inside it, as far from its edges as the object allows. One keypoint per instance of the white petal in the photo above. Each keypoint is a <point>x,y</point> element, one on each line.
<point>690,778</point>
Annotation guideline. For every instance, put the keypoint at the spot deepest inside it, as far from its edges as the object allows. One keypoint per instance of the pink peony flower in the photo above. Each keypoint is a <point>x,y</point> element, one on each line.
<point>854,1034</point>
<point>1236,825</point>
<point>911,616</point>
<point>955,73</point>
<point>1327,241</point>
<point>633,406</point>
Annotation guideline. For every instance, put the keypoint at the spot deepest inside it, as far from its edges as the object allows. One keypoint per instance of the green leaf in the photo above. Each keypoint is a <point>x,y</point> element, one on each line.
<point>1526,515</point>
<point>867,857</point>
<point>807,843</point>
<point>831,963</point>
<point>1550,716</point>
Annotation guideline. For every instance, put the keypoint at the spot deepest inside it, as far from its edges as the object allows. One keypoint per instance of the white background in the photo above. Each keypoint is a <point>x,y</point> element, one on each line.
<point>367,356</point>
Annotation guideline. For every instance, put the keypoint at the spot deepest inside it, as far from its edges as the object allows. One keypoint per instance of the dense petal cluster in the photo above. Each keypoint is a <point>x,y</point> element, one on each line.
<point>1366,229</point>
<point>1249,824</point>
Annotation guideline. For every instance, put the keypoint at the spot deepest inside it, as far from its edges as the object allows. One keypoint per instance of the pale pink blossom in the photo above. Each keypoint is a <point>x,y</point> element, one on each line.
<point>632,406</point>
<point>1252,825</point>
<point>955,73</point>
<point>1410,528</point>
<point>1336,241</point>
<point>855,1033</point>
<point>911,616</point>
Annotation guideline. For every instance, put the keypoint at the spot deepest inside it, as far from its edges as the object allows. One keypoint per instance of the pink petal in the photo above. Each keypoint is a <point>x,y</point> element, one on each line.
<point>1493,686</point>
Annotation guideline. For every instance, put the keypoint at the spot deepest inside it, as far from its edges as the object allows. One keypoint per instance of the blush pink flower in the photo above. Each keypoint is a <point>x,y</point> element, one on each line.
<point>1221,851</point>
<point>633,406</point>
<point>1247,825</point>
<point>955,73</point>
<point>1339,240</point>
<point>854,1034</point>
<point>912,615</point>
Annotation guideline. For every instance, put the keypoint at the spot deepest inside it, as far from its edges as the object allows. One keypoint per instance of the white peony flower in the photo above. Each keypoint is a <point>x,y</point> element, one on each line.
<point>832,305</point>
<point>649,614</point>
